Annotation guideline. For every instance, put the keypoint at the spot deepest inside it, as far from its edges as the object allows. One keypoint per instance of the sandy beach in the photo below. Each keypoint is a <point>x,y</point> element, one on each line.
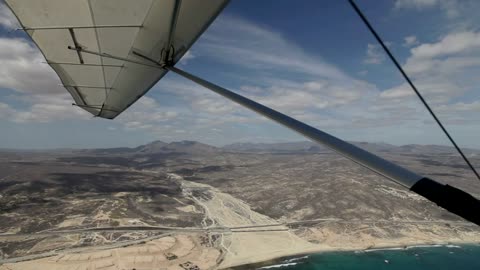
<point>244,249</point>
<point>273,246</point>
<point>255,244</point>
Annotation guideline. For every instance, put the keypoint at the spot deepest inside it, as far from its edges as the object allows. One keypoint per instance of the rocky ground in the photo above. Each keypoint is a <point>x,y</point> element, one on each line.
<point>280,198</point>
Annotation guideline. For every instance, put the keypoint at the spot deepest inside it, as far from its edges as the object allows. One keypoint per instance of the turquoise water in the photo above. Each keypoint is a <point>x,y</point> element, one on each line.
<point>441,257</point>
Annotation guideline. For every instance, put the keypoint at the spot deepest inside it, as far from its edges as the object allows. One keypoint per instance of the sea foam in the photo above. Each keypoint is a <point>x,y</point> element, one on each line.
<point>279,265</point>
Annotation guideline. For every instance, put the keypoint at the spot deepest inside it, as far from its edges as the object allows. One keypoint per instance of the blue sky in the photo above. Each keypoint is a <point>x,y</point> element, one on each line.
<point>313,60</point>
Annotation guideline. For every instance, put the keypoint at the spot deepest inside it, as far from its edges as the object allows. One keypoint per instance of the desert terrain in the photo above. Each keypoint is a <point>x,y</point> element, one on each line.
<point>188,205</point>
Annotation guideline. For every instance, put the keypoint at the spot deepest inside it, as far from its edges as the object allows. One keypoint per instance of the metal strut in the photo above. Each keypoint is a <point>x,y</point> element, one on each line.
<point>396,173</point>
<point>86,86</point>
<point>106,55</point>
<point>77,45</point>
<point>171,32</point>
<point>97,107</point>
<point>147,58</point>
<point>450,198</point>
<point>84,64</point>
<point>79,27</point>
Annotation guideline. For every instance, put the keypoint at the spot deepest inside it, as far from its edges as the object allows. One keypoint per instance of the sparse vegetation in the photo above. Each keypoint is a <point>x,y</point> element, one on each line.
<point>78,189</point>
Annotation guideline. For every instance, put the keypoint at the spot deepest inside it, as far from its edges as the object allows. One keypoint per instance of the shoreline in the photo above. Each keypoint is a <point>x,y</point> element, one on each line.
<point>322,250</point>
<point>293,256</point>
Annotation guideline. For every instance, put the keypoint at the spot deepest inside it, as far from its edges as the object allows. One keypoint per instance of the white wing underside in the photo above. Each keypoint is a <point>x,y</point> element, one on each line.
<point>101,85</point>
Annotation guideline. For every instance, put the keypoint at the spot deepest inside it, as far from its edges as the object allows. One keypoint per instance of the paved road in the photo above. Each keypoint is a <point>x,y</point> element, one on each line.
<point>80,249</point>
<point>220,229</point>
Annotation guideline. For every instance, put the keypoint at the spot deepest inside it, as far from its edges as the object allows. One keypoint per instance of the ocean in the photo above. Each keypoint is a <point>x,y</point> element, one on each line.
<point>412,258</point>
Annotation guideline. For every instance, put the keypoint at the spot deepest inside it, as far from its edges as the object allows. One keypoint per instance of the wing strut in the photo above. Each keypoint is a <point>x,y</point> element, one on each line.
<point>77,45</point>
<point>171,32</point>
<point>448,197</point>
<point>106,55</point>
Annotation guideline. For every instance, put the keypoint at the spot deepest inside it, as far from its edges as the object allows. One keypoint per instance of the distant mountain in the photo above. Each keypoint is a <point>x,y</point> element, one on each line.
<point>417,148</point>
<point>194,147</point>
<point>157,147</point>
<point>153,147</point>
<point>191,147</point>
<point>116,150</point>
<point>303,146</point>
<point>306,146</point>
<point>275,147</point>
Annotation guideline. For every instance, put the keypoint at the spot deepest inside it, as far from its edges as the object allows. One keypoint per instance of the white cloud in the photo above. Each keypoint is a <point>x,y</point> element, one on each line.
<point>400,91</point>
<point>418,4</point>
<point>410,41</point>
<point>43,109</point>
<point>197,97</point>
<point>6,112</point>
<point>450,7</point>
<point>363,72</point>
<point>446,73</point>
<point>374,55</point>
<point>291,96</point>
<point>268,54</point>
<point>317,96</point>
<point>456,54</point>
<point>460,107</point>
<point>257,48</point>
<point>186,57</point>
<point>147,110</point>
<point>460,114</point>
<point>435,91</point>
<point>281,75</point>
<point>149,116</point>
<point>36,84</point>
<point>33,83</point>
<point>453,43</point>
<point>447,66</point>
<point>7,19</point>
<point>44,113</point>
<point>22,69</point>
<point>234,40</point>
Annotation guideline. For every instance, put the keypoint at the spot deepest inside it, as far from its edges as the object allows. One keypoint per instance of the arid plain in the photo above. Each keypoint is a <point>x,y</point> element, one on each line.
<point>187,205</point>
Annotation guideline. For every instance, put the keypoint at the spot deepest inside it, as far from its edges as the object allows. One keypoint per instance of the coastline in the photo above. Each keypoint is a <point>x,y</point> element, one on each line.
<point>269,261</point>
<point>263,257</point>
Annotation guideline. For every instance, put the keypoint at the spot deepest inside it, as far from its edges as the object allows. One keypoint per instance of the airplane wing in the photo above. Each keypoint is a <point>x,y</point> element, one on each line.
<point>106,51</point>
